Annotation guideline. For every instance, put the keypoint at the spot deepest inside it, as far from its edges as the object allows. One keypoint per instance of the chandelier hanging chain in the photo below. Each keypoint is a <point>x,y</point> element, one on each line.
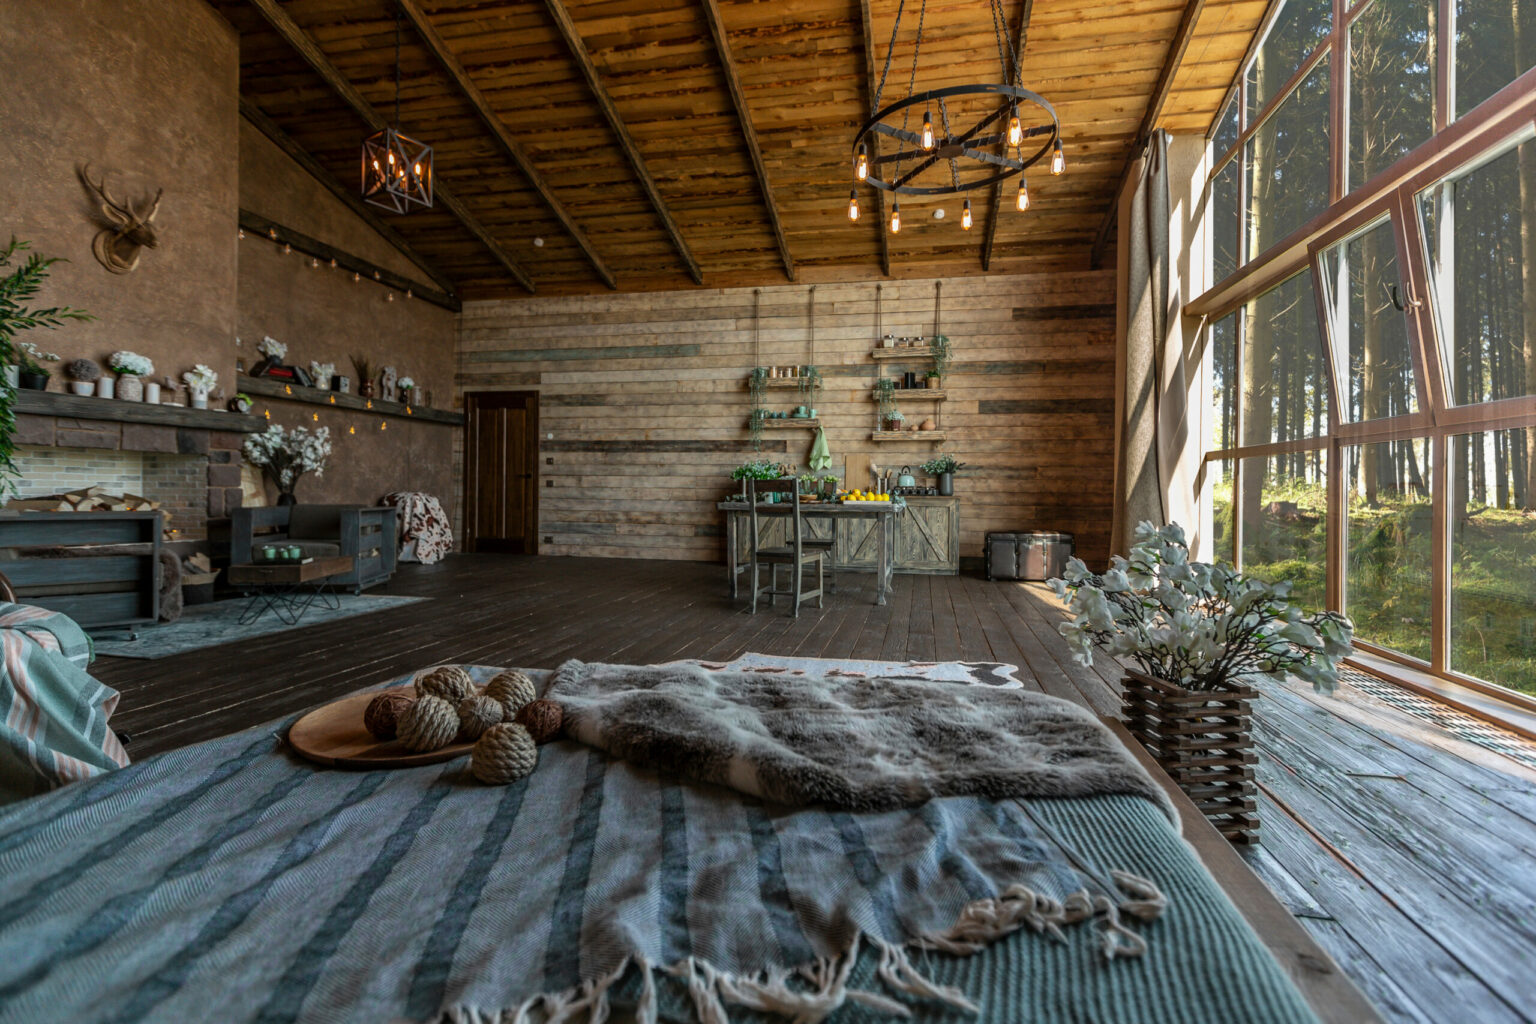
<point>396,169</point>
<point>954,165</point>
<point>917,51</point>
<point>889,53</point>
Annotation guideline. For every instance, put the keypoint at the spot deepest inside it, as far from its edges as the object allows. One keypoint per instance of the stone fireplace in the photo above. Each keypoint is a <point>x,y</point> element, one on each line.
<point>186,459</point>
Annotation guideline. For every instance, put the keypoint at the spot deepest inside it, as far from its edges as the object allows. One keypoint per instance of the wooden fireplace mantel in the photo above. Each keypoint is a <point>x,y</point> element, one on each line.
<point>82,407</point>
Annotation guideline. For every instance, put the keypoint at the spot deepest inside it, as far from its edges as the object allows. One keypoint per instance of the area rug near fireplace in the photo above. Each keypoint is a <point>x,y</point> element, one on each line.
<point>208,625</point>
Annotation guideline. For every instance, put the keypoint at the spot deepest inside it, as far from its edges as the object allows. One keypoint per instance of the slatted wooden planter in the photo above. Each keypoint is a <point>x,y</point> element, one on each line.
<point>1204,741</point>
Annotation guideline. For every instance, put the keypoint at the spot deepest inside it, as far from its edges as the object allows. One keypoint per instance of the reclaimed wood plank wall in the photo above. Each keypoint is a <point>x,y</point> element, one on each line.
<point>644,402</point>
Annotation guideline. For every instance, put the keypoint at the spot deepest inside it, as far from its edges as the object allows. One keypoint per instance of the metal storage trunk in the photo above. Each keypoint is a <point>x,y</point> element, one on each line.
<point>1029,555</point>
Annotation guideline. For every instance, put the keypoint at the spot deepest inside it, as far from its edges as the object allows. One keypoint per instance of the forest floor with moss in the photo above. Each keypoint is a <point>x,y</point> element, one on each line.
<point>1387,579</point>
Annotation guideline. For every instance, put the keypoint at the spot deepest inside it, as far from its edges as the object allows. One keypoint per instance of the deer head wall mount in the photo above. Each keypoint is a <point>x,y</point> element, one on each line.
<point>130,230</point>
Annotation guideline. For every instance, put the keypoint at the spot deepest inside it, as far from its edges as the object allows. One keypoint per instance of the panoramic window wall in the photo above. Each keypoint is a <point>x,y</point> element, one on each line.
<point>1371,433</point>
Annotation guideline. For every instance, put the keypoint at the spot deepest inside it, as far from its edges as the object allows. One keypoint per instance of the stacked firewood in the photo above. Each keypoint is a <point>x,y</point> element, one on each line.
<point>90,499</point>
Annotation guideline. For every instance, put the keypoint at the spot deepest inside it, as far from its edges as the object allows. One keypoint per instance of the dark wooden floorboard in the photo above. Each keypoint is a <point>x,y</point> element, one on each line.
<point>1404,850</point>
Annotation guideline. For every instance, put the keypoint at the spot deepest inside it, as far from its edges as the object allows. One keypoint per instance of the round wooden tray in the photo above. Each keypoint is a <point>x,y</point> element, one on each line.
<point>334,736</point>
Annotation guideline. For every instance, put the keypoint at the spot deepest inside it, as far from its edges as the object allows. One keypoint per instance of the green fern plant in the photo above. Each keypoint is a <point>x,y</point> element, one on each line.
<point>18,288</point>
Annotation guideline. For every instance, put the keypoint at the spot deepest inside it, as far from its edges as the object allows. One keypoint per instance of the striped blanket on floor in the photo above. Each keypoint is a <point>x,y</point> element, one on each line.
<point>231,880</point>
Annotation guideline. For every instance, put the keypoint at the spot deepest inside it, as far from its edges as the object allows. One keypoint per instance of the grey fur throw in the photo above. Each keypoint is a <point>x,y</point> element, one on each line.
<point>859,743</point>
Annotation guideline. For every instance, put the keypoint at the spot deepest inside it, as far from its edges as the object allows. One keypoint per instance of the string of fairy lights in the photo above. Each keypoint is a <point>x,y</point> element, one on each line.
<point>357,277</point>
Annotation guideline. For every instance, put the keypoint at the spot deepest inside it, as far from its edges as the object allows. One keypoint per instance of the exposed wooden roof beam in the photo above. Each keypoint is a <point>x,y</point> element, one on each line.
<point>578,48</point>
<point>299,155</point>
<point>1025,11</point>
<point>307,48</point>
<point>867,28</point>
<point>498,129</point>
<point>1160,90</point>
<point>744,115</point>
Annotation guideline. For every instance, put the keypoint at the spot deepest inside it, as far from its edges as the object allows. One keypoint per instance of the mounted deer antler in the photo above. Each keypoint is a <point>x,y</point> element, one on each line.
<point>118,247</point>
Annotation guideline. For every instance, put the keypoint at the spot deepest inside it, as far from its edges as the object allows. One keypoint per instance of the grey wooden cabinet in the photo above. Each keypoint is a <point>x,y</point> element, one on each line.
<point>928,536</point>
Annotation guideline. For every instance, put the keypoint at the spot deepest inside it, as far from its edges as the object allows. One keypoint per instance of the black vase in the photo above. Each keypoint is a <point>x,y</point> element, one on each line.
<point>33,381</point>
<point>947,485</point>
<point>287,498</point>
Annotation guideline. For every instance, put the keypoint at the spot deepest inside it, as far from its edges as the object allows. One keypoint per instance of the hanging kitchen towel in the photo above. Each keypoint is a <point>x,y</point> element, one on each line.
<point>821,454</point>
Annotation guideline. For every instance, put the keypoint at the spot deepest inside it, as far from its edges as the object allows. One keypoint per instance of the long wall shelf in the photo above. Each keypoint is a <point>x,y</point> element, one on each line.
<point>791,423</point>
<point>271,388</point>
<point>882,355</point>
<point>86,407</point>
<point>915,394</point>
<point>909,435</point>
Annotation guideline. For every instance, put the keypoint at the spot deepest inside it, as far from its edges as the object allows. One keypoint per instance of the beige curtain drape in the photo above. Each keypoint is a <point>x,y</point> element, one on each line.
<point>1141,475</point>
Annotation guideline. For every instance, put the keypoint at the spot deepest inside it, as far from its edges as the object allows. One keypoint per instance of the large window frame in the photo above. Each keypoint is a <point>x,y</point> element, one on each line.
<point>1492,127</point>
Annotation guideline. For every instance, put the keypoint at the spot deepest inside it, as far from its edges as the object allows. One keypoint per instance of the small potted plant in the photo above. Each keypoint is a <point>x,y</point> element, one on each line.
<point>407,388</point>
<point>939,349</point>
<point>1198,634</point>
<point>944,467</point>
<point>932,379</point>
<point>131,369</point>
<point>758,469</point>
<point>200,380</point>
<point>322,373</point>
<point>828,487</point>
<point>241,403</point>
<point>30,360</point>
<point>894,420</point>
<point>82,374</point>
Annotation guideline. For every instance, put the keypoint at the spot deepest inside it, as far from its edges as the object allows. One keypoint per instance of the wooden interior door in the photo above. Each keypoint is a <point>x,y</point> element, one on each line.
<point>501,480</point>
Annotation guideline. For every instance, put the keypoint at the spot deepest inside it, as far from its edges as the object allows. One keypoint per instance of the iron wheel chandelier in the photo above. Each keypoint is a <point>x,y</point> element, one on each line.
<point>397,169</point>
<point>993,147</point>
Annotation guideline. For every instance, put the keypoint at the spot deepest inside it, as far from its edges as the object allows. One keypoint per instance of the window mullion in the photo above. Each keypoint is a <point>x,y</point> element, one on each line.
<point>1338,105</point>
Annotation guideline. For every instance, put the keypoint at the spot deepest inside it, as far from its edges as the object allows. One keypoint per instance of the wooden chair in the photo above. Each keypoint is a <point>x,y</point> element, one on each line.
<point>796,554</point>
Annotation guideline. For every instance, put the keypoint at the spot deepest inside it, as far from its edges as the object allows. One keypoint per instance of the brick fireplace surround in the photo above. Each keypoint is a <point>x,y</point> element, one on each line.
<point>48,420</point>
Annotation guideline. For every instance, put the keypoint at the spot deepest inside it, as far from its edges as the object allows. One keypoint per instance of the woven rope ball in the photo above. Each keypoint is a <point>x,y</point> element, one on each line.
<point>503,754</point>
<point>478,713</point>
<point>542,719</point>
<point>383,714</point>
<point>513,689</point>
<point>450,682</point>
<point>428,724</point>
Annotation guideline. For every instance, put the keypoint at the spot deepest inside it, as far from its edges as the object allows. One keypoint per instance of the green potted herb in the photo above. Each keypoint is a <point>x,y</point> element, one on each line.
<point>939,349</point>
<point>944,467</point>
<point>810,380</point>
<point>758,469</point>
<point>829,486</point>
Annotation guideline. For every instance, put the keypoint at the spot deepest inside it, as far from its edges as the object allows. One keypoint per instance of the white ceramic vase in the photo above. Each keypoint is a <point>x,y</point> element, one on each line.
<point>83,387</point>
<point>152,393</point>
<point>199,399</point>
<point>106,387</point>
<point>130,387</point>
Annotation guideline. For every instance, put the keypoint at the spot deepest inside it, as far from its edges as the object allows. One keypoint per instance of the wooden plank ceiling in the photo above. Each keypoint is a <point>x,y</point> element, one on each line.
<point>623,140</point>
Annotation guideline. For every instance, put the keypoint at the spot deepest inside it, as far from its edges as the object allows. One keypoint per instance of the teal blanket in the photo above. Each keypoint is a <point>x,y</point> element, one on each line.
<point>231,880</point>
<point>53,714</point>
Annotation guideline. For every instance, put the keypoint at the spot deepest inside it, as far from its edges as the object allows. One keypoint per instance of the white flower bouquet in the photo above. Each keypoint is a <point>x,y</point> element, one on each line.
<point>321,374</point>
<point>1200,626</point>
<point>405,384</point>
<point>200,380</point>
<point>286,455</point>
<point>130,364</point>
<point>273,349</point>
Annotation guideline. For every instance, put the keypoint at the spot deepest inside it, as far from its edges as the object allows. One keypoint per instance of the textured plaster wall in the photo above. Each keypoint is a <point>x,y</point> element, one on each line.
<point>323,315</point>
<point>144,90</point>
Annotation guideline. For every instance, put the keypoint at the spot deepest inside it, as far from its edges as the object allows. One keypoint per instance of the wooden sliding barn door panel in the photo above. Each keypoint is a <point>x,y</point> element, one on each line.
<point>501,480</point>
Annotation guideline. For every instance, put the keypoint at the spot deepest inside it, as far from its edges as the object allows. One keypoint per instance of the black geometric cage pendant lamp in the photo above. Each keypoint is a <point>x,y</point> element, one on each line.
<point>986,133</point>
<point>397,169</point>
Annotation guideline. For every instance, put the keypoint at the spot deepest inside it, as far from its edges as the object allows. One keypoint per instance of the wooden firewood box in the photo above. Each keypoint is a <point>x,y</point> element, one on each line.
<point>1204,741</point>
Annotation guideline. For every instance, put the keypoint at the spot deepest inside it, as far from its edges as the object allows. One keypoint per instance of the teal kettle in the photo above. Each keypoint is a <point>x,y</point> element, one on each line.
<point>906,479</point>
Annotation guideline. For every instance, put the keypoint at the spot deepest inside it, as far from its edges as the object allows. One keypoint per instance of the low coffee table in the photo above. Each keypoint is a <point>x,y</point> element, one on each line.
<point>288,589</point>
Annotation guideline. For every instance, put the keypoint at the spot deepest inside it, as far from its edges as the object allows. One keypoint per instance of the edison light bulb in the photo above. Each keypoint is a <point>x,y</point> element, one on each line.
<point>861,165</point>
<point>1023,202</point>
<point>927,130</point>
<point>965,216</point>
<point>1058,159</point>
<point>895,217</point>
<point>853,205</point>
<point>1015,133</point>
